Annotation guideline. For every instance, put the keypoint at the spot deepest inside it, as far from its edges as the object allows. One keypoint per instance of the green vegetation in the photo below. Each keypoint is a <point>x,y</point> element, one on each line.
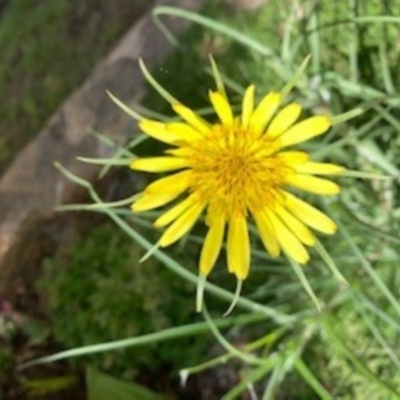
<point>100,292</point>
<point>329,330</point>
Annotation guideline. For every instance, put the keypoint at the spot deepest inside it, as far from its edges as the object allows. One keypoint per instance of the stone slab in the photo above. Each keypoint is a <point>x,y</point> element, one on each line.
<point>32,186</point>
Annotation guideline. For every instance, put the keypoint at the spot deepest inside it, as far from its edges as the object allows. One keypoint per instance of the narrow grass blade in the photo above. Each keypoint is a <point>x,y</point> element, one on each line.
<point>310,378</point>
<point>167,334</point>
<point>306,285</point>
<point>295,78</point>
<point>161,91</point>
<point>105,161</point>
<point>210,24</point>
<point>135,115</point>
<point>330,263</point>
<point>338,119</point>
<point>255,375</point>
<point>247,358</point>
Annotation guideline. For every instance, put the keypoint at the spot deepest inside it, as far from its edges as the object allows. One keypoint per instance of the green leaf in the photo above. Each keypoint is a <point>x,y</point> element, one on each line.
<point>104,387</point>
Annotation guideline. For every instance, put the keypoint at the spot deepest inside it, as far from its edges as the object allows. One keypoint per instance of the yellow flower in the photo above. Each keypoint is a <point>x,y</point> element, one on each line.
<point>235,170</point>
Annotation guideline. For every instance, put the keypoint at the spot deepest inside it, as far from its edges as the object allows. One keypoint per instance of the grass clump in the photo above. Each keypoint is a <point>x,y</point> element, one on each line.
<point>100,292</point>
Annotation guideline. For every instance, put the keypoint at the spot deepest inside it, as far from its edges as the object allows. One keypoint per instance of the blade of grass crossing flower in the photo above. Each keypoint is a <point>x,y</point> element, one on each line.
<point>150,79</point>
<point>298,270</point>
<point>295,78</point>
<point>135,115</point>
<point>311,380</point>
<point>217,76</point>
<point>229,83</point>
<point>213,25</point>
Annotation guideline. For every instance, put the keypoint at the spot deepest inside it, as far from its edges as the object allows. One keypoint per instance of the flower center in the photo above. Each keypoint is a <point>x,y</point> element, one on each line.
<point>236,170</point>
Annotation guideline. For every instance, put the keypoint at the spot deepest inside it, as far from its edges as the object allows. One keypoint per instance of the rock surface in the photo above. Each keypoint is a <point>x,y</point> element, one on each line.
<point>32,186</point>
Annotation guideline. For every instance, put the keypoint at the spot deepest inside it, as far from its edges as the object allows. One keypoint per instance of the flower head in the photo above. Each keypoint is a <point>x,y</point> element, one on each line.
<point>237,169</point>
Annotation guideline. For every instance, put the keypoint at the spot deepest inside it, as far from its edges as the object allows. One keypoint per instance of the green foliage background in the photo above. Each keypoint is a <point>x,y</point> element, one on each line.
<point>322,336</point>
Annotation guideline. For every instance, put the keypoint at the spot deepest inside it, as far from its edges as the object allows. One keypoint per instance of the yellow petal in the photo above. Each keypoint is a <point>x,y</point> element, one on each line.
<point>309,214</point>
<point>173,213</point>
<point>319,168</point>
<point>181,152</point>
<point>284,120</point>
<point>298,228</point>
<point>290,244</point>
<point>170,184</point>
<point>212,245</point>
<point>293,157</point>
<point>267,234</point>
<point>157,130</point>
<point>192,118</point>
<point>312,184</point>
<point>238,248</point>
<point>247,105</point>
<point>158,164</point>
<point>305,130</point>
<point>264,111</point>
<point>222,107</point>
<point>149,201</point>
<point>181,225</point>
<point>183,132</point>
